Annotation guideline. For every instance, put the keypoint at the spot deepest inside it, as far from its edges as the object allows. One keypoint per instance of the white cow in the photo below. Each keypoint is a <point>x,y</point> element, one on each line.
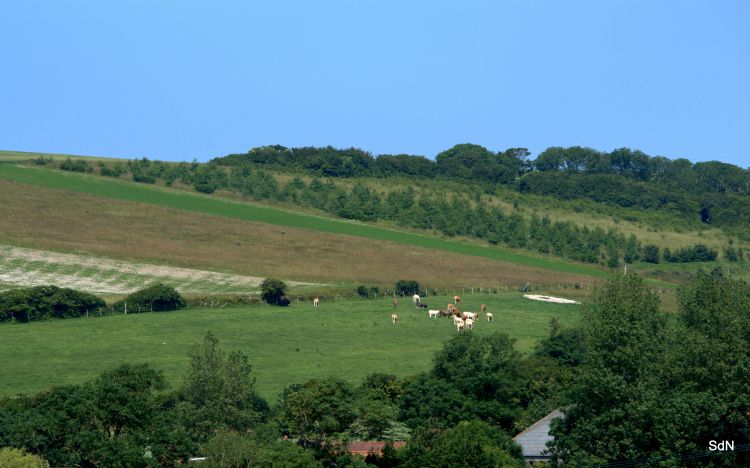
<point>316,302</point>
<point>459,324</point>
<point>471,315</point>
<point>469,323</point>
<point>489,316</point>
<point>433,313</point>
<point>416,299</point>
<point>394,318</point>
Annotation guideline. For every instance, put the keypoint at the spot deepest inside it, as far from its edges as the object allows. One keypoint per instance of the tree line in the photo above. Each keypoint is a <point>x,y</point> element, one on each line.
<point>451,213</point>
<point>712,192</point>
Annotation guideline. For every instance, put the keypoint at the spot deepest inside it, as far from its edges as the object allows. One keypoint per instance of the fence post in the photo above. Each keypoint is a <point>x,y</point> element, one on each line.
<point>126,308</point>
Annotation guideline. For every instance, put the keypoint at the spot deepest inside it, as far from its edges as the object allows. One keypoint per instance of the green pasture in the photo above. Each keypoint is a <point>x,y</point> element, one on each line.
<point>347,339</point>
<point>250,212</point>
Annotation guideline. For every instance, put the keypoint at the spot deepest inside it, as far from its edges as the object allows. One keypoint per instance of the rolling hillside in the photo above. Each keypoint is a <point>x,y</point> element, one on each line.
<point>128,220</point>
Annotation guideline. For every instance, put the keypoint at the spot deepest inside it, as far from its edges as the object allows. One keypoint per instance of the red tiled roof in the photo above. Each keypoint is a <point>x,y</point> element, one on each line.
<point>365,447</point>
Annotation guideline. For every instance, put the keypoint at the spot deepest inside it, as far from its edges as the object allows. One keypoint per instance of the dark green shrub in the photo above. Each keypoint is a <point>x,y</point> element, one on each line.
<point>272,291</point>
<point>43,302</point>
<point>730,254</point>
<point>407,287</point>
<point>157,298</point>
<point>116,170</point>
<point>651,253</point>
<point>695,253</point>
<point>78,165</point>
<point>365,291</point>
<point>42,161</point>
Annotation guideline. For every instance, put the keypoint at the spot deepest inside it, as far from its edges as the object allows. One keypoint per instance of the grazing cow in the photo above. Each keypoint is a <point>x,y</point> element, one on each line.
<point>471,315</point>
<point>394,318</point>
<point>457,299</point>
<point>316,302</point>
<point>453,309</point>
<point>489,316</point>
<point>415,299</point>
<point>469,324</point>
<point>484,308</point>
<point>422,305</point>
<point>459,324</point>
<point>443,313</point>
<point>433,313</point>
<point>456,320</point>
<point>394,302</point>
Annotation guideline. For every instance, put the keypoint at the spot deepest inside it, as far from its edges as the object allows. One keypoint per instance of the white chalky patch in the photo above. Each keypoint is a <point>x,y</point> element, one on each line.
<point>31,267</point>
<point>558,300</point>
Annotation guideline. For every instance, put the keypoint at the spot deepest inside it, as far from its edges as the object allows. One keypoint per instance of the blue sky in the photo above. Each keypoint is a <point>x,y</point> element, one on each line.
<point>179,80</point>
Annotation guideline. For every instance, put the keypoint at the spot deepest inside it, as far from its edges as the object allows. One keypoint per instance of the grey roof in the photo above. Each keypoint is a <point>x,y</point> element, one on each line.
<point>534,439</point>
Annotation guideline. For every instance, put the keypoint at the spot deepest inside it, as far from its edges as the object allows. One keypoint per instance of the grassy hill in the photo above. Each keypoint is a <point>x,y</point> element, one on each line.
<point>106,234</point>
<point>117,190</point>
<point>347,339</point>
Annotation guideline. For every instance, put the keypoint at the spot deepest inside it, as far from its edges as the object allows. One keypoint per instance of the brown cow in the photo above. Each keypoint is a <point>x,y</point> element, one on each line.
<point>484,308</point>
<point>394,302</point>
<point>457,299</point>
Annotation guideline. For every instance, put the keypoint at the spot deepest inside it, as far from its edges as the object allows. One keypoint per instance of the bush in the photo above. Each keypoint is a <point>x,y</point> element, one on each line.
<point>78,165</point>
<point>407,287</point>
<point>695,253</point>
<point>651,253</point>
<point>365,291</point>
<point>42,161</point>
<point>44,302</point>
<point>116,170</point>
<point>157,298</point>
<point>272,291</point>
<point>143,177</point>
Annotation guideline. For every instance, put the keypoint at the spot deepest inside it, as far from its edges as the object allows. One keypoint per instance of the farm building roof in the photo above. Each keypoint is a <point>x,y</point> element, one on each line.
<point>534,439</point>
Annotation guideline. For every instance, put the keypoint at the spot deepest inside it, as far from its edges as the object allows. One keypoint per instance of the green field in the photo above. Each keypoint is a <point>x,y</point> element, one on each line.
<point>250,212</point>
<point>348,339</point>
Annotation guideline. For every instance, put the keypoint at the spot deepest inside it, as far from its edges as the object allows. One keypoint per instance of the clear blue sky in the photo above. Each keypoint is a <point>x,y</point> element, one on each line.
<point>179,80</point>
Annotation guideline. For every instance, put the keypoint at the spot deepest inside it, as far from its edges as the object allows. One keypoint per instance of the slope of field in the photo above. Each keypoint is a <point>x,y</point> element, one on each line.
<point>145,233</point>
<point>21,267</point>
<point>347,339</point>
<point>249,212</point>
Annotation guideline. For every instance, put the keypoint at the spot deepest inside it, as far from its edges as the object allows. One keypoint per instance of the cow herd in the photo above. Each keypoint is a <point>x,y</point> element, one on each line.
<point>463,321</point>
